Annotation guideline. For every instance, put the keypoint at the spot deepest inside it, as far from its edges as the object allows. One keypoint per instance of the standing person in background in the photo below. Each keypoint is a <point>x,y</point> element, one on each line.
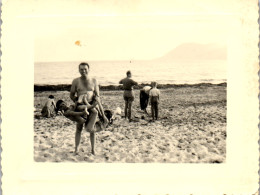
<point>128,84</point>
<point>144,97</point>
<point>154,100</point>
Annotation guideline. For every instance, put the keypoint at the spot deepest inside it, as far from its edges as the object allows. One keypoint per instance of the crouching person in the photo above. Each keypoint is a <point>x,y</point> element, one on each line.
<point>49,108</point>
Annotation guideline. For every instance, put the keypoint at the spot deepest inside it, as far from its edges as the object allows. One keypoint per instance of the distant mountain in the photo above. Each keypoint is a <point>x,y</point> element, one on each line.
<point>195,51</point>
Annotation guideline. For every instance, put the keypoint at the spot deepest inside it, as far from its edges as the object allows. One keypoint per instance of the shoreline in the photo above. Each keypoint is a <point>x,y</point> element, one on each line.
<point>66,87</point>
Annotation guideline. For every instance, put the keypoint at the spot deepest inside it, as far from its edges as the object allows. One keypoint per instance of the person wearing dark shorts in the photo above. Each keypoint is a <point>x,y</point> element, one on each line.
<point>128,84</point>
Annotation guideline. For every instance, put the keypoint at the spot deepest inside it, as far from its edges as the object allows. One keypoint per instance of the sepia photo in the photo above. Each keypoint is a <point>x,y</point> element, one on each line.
<point>170,107</point>
<point>130,97</point>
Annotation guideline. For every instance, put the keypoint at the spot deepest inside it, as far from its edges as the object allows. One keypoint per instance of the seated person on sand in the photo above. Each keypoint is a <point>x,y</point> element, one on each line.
<point>49,107</point>
<point>154,96</point>
<point>144,97</point>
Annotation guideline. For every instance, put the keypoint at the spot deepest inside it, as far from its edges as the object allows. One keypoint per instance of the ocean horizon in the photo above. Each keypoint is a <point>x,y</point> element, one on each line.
<point>111,72</point>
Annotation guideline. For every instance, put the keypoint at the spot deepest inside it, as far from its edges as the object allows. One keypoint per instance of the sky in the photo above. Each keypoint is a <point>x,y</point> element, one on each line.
<point>131,31</point>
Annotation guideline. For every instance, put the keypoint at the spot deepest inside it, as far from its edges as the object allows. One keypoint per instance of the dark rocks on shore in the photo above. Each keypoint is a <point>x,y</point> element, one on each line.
<point>52,87</point>
<point>66,87</point>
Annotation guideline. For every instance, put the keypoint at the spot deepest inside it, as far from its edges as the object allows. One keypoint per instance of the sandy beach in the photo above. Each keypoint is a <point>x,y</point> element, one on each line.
<point>191,129</point>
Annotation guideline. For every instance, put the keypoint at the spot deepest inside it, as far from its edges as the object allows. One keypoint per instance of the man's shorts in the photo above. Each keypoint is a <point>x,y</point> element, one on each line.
<point>129,96</point>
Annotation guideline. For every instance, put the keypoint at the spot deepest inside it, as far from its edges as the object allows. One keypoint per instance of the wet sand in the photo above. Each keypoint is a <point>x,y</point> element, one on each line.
<point>191,129</point>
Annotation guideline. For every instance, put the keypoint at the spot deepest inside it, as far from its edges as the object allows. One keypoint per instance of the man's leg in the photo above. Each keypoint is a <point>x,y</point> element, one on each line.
<point>145,111</point>
<point>129,110</point>
<point>141,99</point>
<point>82,108</point>
<point>90,127</point>
<point>92,120</point>
<point>79,128</point>
<point>126,108</point>
<point>156,110</point>
<point>92,141</point>
<point>152,110</point>
<point>146,104</point>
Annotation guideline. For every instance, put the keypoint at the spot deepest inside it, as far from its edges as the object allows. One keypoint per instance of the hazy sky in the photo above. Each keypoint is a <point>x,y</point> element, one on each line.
<point>118,32</point>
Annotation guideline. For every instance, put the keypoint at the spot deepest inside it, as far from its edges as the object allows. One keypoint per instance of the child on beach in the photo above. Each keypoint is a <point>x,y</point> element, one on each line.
<point>154,96</point>
<point>82,104</point>
<point>70,113</point>
<point>49,107</point>
<point>79,116</point>
<point>87,102</point>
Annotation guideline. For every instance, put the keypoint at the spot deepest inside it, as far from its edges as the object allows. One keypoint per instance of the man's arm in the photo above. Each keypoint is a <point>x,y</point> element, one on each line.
<point>134,83</point>
<point>98,100</point>
<point>96,87</point>
<point>73,91</point>
<point>121,81</point>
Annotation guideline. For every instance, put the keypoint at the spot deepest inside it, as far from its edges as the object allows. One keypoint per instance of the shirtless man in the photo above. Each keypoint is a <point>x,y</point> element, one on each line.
<point>89,86</point>
<point>128,84</point>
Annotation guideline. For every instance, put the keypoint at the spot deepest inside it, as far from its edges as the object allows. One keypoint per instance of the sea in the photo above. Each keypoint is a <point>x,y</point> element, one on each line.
<point>111,72</point>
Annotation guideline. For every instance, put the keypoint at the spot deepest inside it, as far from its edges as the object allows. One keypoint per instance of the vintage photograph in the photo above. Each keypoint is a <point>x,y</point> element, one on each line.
<point>130,97</point>
<point>131,89</point>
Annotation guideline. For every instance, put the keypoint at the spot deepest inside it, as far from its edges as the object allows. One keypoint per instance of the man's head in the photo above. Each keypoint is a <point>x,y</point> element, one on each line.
<point>128,74</point>
<point>154,84</point>
<point>84,69</point>
<point>51,96</point>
